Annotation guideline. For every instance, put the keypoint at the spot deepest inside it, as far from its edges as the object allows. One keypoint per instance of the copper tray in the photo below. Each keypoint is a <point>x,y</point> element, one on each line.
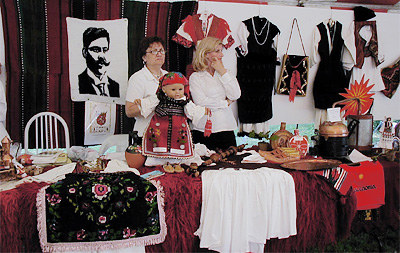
<point>311,164</point>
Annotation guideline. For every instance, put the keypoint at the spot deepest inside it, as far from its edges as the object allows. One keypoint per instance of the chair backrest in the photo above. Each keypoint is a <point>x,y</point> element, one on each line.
<point>47,135</point>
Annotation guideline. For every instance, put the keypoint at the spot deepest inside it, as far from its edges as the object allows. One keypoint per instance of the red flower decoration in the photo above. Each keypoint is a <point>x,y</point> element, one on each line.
<point>359,91</point>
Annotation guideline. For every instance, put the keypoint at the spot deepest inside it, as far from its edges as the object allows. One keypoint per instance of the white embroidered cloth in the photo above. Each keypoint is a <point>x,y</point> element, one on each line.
<point>241,209</point>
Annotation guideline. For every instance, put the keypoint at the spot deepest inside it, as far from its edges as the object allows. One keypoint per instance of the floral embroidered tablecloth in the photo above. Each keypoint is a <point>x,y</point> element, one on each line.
<point>92,211</point>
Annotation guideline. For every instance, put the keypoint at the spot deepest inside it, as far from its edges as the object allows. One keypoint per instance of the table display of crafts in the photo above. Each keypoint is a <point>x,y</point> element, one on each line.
<point>290,150</point>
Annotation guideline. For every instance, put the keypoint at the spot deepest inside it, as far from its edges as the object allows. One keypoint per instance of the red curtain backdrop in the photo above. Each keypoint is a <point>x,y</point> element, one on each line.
<point>37,53</point>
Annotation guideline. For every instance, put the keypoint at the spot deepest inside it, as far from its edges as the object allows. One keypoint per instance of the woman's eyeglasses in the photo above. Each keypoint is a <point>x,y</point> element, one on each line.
<point>155,51</point>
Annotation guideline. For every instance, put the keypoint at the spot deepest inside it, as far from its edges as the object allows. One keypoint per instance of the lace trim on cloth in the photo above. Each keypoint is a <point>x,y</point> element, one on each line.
<point>130,241</point>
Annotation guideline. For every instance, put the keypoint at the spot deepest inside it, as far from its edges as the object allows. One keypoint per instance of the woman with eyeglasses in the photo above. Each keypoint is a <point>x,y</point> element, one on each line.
<point>214,87</point>
<point>144,83</point>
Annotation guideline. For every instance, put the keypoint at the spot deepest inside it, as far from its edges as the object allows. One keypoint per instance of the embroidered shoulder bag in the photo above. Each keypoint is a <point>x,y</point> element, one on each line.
<point>293,79</point>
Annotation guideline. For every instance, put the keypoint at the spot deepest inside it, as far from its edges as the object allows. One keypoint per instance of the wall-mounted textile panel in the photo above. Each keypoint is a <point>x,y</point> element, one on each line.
<point>36,48</point>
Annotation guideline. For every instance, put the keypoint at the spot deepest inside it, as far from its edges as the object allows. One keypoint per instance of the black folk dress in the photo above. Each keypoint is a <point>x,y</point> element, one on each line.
<point>256,71</point>
<point>331,79</point>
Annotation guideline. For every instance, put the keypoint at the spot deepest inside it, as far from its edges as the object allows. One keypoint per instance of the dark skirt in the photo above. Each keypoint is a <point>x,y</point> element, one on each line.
<point>221,140</point>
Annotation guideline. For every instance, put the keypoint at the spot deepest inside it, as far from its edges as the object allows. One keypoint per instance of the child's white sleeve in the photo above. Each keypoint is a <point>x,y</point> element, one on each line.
<point>148,104</point>
<point>194,112</point>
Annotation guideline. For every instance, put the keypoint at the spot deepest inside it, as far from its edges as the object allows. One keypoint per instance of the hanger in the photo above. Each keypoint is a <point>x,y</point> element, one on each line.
<point>331,21</point>
<point>204,14</point>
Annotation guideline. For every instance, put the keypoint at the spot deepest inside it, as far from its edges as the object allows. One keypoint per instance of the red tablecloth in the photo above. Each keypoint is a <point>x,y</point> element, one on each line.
<point>323,215</point>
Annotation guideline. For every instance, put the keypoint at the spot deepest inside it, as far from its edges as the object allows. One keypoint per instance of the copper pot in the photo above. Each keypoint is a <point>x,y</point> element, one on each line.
<point>333,129</point>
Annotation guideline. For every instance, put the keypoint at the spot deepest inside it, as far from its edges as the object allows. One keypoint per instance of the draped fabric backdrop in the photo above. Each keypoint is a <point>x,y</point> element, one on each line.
<point>36,49</point>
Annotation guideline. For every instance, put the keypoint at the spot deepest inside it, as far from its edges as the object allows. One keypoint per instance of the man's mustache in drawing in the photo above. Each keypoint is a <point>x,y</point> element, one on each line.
<point>103,61</point>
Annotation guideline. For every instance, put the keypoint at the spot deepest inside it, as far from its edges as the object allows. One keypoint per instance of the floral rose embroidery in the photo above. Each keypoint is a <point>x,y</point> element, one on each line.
<point>85,206</point>
<point>102,219</point>
<point>119,205</point>
<point>100,191</point>
<point>130,189</point>
<point>127,233</point>
<point>81,235</point>
<point>150,196</point>
<point>103,234</point>
<point>53,199</point>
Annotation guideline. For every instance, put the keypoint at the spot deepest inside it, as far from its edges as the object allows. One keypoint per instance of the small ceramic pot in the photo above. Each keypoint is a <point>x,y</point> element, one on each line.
<point>134,157</point>
<point>264,146</point>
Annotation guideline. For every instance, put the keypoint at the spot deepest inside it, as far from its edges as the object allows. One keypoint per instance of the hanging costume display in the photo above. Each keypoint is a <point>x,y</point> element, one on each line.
<point>256,65</point>
<point>196,27</point>
<point>391,78</point>
<point>330,45</point>
<point>368,57</point>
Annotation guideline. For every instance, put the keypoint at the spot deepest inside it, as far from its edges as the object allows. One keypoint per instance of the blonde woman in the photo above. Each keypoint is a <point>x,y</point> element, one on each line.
<point>214,87</point>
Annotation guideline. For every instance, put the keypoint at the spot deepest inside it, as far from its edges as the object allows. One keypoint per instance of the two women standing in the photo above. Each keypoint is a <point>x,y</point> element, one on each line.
<point>211,86</point>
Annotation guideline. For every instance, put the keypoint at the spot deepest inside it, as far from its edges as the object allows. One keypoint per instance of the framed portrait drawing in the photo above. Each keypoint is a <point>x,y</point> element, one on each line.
<point>98,59</point>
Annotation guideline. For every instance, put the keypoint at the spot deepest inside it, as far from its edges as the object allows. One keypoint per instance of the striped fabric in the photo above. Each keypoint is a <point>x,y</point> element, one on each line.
<point>37,53</point>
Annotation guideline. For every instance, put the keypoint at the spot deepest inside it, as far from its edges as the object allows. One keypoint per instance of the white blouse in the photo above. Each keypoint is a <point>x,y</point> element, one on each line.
<point>142,84</point>
<point>212,92</point>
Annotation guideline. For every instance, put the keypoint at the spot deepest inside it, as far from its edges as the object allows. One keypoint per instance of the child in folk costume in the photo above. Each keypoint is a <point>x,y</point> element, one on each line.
<point>168,134</point>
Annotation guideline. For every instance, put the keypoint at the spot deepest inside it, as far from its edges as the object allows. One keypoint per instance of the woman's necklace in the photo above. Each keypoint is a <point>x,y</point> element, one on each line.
<point>156,76</point>
<point>258,34</point>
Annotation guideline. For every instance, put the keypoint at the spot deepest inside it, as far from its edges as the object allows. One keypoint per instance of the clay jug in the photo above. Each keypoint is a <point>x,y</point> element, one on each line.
<point>299,142</point>
<point>281,137</point>
<point>133,153</point>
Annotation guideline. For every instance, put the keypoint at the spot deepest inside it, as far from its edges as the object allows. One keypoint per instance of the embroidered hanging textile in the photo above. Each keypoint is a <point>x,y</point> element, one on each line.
<point>108,210</point>
<point>293,79</point>
<point>36,53</point>
<point>391,79</point>
<point>198,26</point>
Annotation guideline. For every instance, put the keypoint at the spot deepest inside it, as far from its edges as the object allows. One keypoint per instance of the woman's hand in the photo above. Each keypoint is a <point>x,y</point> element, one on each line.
<point>137,102</point>
<point>218,65</point>
<point>132,110</point>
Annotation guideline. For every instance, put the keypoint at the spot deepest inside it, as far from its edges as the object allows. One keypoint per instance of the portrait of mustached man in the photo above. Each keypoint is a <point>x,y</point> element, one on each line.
<point>94,79</point>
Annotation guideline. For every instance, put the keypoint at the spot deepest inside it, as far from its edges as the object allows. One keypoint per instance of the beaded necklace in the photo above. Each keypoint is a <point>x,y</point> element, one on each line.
<point>262,29</point>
